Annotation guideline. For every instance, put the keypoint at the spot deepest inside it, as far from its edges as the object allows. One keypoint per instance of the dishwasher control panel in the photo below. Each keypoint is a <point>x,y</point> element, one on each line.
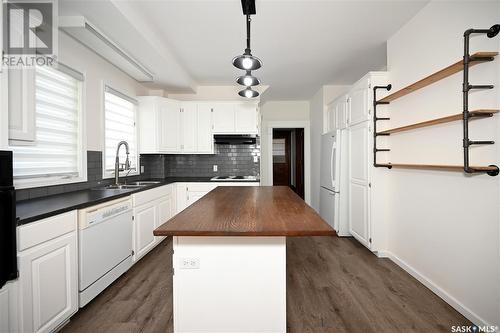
<point>96,214</point>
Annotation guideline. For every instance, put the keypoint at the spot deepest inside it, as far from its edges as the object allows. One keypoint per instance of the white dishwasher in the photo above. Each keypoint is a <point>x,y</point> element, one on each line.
<point>105,246</point>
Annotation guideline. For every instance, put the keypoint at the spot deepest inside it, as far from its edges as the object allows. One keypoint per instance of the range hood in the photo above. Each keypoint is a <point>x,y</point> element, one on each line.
<point>235,139</point>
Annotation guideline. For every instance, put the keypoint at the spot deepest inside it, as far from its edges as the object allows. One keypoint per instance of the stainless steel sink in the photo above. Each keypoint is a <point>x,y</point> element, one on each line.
<point>145,183</point>
<point>123,187</point>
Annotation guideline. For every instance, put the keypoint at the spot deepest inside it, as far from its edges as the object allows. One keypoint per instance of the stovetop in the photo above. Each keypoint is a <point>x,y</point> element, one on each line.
<point>234,178</point>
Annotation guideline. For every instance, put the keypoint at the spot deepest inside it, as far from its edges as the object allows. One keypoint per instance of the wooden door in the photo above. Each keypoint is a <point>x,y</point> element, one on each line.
<point>281,158</point>
<point>299,162</point>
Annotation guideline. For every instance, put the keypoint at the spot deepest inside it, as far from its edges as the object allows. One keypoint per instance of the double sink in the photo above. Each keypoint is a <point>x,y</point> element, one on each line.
<point>129,186</point>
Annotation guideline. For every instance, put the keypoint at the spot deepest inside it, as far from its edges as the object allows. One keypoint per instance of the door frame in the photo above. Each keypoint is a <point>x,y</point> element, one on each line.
<point>307,152</point>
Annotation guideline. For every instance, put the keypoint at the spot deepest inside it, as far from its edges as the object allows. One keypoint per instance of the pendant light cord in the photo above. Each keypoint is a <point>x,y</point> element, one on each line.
<point>248,33</point>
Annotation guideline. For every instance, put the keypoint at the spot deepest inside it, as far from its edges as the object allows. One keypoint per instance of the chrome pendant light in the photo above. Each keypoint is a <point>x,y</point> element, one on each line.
<point>247,61</point>
<point>248,80</point>
<point>248,93</point>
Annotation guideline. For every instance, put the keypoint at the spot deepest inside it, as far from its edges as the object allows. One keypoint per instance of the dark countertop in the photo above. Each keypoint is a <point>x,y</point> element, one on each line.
<point>36,209</point>
<point>247,211</point>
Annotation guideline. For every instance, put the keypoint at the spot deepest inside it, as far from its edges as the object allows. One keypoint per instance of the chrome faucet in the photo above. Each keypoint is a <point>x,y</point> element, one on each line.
<point>117,161</point>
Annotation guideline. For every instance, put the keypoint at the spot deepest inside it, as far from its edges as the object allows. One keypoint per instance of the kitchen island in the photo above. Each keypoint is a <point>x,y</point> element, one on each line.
<point>230,258</point>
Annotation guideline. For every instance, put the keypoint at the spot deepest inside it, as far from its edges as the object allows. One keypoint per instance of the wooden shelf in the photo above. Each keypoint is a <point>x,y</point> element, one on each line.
<point>437,167</point>
<point>478,58</point>
<point>475,115</point>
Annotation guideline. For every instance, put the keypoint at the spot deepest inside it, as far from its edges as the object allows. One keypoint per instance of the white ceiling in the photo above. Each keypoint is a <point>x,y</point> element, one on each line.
<point>303,44</point>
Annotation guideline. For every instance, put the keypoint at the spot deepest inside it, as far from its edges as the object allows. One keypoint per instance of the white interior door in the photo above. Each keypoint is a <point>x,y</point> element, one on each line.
<point>359,205</point>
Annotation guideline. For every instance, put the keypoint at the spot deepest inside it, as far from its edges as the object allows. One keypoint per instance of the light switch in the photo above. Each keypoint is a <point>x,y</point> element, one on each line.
<point>215,167</point>
<point>189,263</point>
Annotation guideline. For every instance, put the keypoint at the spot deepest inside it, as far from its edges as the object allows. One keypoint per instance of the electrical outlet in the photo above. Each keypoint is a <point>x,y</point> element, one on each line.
<point>142,168</point>
<point>215,167</point>
<point>189,263</point>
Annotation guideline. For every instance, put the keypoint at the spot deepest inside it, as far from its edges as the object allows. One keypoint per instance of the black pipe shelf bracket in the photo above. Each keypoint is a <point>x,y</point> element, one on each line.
<point>466,87</point>
<point>375,133</point>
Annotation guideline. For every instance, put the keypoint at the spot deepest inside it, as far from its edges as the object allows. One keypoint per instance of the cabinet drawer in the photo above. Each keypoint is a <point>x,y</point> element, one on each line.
<point>149,195</point>
<point>44,230</point>
<point>201,187</point>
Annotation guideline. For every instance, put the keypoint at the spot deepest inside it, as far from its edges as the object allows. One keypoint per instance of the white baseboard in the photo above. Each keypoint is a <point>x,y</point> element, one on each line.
<point>466,312</point>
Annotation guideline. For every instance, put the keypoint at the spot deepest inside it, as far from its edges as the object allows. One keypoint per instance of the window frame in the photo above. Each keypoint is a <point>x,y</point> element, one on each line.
<point>44,181</point>
<point>110,174</point>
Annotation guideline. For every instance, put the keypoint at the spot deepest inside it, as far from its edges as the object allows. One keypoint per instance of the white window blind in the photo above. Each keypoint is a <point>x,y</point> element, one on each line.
<point>119,123</point>
<point>56,152</point>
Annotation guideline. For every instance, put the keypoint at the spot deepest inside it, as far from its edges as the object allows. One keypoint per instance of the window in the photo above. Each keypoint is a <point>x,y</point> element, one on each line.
<point>120,113</point>
<point>55,156</point>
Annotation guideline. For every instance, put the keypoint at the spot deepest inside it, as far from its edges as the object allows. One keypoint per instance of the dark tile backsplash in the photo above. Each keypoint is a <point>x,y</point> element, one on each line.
<point>230,159</point>
<point>237,160</point>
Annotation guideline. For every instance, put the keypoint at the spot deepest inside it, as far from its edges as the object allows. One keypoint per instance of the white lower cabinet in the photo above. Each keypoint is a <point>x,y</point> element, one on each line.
<point>8,307</point>
<point>152,208</point>
<point>48,273</point>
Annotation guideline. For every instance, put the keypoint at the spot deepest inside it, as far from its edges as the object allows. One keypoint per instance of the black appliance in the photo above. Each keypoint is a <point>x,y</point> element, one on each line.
<point>8,254</point>
<point>235,139</point>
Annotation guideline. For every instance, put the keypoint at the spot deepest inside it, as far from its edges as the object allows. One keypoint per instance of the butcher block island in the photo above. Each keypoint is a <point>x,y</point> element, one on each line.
<point>230,258</point>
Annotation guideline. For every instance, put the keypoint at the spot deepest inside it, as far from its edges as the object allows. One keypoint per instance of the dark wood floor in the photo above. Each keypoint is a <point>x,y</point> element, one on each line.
<point>333,285</point>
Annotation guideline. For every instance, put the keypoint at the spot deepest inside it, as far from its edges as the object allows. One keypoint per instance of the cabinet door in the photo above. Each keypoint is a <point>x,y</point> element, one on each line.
<point>342,114</point>
<point>21,100</point>
<point>8,307</point>
<point>223,118</point>
<point>193,196</point>
<point>189,130</point>
<point>332,118</point>
<point>165,212</point>
<point>358,105</point>
<point>145,220</point>
<point>205,137</point>
<point>245,118</point>
<point>170,126</point>
<point>48,283</point>
<point>359,191</point>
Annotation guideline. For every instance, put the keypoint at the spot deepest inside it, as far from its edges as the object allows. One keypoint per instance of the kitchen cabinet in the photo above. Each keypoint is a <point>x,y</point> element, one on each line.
<point>8,307</point>
<point>21,104</point>
<point>48,272</point>
<point>151,209</point>
<point>223,117</point>
<point>337,114</point>
<point>235,118</point>
<point>358,105</point>
<point>359,191</point>
<point>167,126</point>
<point>189,193</point>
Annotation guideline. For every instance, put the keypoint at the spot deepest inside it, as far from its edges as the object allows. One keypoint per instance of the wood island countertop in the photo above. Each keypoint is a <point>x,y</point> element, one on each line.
<point>247,211</point>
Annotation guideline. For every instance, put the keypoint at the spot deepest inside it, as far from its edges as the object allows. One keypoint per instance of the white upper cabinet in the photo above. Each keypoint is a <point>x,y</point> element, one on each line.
<point>169,126</point>
<point>189,128</point>
<point>21,104</point>
<point>246,118</point>
<point>205,137</point>
<point>223,117</point>
<point>235,118</point>
<point>337,114</point>
<point>358,103</point>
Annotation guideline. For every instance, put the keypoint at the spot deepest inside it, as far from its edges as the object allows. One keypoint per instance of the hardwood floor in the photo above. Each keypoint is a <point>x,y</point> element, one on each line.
<point>333,285</point>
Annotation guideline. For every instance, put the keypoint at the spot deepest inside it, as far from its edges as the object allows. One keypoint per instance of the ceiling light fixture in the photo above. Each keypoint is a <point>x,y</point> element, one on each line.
<point>248,80</point>
<point>248,93</point>
<point>247,61</point>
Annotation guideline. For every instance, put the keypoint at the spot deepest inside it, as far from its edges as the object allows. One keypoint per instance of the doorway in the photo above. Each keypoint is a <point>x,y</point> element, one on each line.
<point>288,158</point>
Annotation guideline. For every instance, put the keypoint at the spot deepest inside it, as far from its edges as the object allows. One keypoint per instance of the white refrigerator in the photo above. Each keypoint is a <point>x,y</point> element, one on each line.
<point>333,181</point>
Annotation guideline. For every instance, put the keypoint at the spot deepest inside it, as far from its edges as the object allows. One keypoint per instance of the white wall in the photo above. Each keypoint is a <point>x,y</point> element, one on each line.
<point>444,226</point>
<point>97,71</point>
<point>276,111</point>
<point>318,122</point>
